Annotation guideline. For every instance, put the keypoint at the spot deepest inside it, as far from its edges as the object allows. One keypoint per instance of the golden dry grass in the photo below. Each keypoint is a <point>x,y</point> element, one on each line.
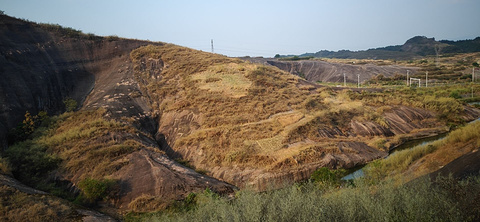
<point>228,79</point>
<point>19,206</point>
<point>90,145</point>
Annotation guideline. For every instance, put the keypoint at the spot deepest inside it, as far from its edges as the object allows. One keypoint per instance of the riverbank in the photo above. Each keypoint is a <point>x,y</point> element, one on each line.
<point>424,144</point>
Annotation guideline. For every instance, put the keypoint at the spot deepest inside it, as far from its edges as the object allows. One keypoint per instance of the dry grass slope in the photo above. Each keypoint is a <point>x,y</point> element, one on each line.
<point>218,111</point>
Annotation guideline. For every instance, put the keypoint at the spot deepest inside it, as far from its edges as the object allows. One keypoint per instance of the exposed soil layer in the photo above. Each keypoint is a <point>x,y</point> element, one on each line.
<point>320,71</point>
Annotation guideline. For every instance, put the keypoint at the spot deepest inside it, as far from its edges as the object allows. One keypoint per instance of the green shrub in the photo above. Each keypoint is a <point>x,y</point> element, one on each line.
<point>70,104</point>
<point>423,200</point>
<point>5,167</point>
<point>455,95</point>
<point>325,176</point>
<point>30,162</point>
<point>94,190</point>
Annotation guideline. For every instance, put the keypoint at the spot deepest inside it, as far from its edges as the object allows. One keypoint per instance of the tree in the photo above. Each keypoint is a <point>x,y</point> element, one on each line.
<point>29,123</point>
<point>70,104</point>
<point>475,64</point>
<point>277,56</point>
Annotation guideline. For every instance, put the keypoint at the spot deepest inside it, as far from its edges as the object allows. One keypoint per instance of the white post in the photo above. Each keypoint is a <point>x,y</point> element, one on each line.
<point>473,74</point>
<point>358,80</point>
<point>407,77</point>
<point>426,79</point>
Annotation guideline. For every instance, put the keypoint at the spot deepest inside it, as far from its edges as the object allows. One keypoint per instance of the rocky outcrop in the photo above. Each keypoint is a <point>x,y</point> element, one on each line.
<point>403,120</point>
<point>155,175</point>
<point>40,69</point>
<point>470,113</point>
<point>369,129</point>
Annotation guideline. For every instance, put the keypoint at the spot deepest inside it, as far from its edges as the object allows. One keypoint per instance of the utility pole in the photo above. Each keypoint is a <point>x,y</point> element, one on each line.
<point>212,47</point>
<point>358,80</point>
<point>344,80</point>
<point>473,74</point>
<point>407,77</point>
<point>426,79</point>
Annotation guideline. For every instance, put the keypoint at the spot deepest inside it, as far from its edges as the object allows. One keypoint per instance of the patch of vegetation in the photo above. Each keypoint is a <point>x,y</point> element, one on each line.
<point>95,190</point>
<point>28,126</point>
<point>70,104</point>
<point>5,167</point>
<point>422,201</point>
<point>63,31</point>
<point>326,177</point>
<point>84,143</point>
<point>30,162</point>
<point>19,206</point>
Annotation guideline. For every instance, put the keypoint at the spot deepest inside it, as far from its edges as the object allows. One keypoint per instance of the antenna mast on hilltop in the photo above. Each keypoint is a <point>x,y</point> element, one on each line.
<point>212,47</point>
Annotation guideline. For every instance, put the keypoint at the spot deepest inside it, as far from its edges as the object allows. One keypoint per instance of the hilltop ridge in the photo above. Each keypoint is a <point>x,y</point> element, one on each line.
<point>415,47</point>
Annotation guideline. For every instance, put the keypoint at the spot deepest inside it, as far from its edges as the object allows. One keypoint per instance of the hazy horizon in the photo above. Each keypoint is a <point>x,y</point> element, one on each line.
<point>261,28</point>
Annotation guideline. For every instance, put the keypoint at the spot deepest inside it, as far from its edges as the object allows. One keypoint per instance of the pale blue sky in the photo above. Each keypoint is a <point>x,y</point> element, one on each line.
<point>261,28</point>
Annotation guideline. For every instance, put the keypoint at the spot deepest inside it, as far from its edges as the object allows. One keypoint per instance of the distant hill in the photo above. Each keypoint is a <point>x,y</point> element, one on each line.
<point>417,46</point>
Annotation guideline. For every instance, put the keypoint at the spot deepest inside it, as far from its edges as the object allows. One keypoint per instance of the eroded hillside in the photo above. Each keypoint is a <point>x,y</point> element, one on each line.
<point>42,65</point>
<point>255,125</point>
<point>147,107</point>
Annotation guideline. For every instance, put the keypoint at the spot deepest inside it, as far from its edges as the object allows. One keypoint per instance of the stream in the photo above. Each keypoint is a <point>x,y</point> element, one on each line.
<point>408,145</point>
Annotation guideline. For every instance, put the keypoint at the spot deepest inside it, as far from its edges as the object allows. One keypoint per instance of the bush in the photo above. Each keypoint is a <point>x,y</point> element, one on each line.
<point>423,200</point>
<point>94,190</point>
<point>325,176</point>
<point>70,104</point>
<point>29,161</point>
<point>455,95</point>
<point>5,167</point>
<point>28,126</point>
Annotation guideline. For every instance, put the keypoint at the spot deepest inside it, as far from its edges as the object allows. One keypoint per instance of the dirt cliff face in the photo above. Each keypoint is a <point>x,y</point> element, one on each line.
<point>40,69</point>
<point>320,71</point>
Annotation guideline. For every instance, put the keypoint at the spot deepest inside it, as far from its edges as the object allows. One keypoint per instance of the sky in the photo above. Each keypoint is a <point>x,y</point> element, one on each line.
<point>261,28</point>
